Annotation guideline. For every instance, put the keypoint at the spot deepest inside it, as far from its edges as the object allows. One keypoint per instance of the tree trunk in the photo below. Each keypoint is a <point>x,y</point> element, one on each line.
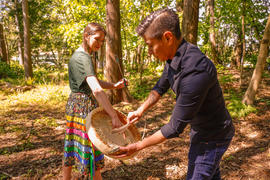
<point>190,20</point>
<point>139,58</point>
<point>238,50</point>
<point>114,68</point>
<point>142,64</point>
<point>128,60</point>
<point>215,58</point>
<point>244,42</point>
<point>133,60</point>
<point>20,32</point>
<point>27,49</point>
<point>127,55</point>
<point>7,48</point>
<point>102,57</point>
<point>257,73</point>
<point>3,46</point>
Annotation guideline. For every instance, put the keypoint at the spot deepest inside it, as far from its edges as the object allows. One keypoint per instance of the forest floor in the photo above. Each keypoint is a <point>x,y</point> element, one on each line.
<point>32,125</point>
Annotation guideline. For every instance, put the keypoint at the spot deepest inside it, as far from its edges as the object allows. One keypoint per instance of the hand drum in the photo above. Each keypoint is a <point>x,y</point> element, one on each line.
<point>99,129</point>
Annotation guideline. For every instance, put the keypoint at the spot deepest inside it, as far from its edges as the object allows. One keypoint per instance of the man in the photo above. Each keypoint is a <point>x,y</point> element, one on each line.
<point>199,99</point>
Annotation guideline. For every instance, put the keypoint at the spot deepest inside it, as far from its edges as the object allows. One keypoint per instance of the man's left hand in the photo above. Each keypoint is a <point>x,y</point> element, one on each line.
<point>128,150</point>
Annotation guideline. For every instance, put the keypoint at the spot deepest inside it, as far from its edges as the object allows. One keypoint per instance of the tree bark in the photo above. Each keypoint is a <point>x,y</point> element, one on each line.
<point>249,96</point>
<point>190,20</point>
<point>142,63</point>
<point>27,48</point>
<point>215,58</point>
<point>238,50</point>
<point>114,68</point>
<point>20,33</point>
<point>102,56</point>
<point>244,42</point>
<point>3,46</point>
<point>138,61</point>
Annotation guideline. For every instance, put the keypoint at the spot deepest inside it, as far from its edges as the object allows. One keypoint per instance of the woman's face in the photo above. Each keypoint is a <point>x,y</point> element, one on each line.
<point>95,41</point>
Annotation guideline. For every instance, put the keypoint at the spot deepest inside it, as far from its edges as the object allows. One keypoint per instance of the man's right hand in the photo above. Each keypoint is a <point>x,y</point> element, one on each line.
<point>134,116</point>
<point>150,101</point>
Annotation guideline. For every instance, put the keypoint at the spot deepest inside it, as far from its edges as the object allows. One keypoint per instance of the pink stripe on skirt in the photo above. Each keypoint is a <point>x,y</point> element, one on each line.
<point>78,132</point>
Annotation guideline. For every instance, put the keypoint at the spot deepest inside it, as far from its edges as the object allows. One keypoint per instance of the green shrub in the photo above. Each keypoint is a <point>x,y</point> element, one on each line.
<point>44,76</point>
<point>140,92</point>
<point>14,74</point>
<point>220,68</point>
<point>41,76</point>
<point>228,78</point>
<point>12,70</point>
<point>237,109</point>
<point>140,89</point>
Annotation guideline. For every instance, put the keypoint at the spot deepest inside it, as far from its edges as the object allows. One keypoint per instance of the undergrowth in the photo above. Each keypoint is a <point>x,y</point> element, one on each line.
<point>141,85</point>
<point>49,92</point>
<point>233,99</point>
<point>237,109</point>
<point>47,95</point>
<point>13,73</point>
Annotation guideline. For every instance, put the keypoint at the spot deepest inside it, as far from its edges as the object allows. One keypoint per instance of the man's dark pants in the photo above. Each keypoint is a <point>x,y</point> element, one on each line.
<point>204,160</point>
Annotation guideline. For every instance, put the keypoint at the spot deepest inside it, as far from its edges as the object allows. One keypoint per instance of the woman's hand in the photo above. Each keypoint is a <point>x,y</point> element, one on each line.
<point>116,123</point>
<point>121,84</point>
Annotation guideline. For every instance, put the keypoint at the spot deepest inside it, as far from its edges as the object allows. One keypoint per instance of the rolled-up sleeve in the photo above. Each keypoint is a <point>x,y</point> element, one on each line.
<point>193,89</point>
<point>163,84</point>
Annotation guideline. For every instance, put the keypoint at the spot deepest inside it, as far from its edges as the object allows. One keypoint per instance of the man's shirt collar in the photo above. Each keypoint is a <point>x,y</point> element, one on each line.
<point>176,61</point>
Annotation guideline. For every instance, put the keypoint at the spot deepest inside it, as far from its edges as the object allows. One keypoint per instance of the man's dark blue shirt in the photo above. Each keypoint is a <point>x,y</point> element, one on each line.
<point>199,98</point>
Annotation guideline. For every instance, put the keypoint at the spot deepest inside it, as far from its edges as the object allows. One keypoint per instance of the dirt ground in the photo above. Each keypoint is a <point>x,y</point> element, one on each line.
<point>30,150</point>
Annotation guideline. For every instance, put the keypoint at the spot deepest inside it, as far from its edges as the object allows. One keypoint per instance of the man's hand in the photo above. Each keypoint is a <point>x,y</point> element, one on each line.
<point>150,101</point>
<point>147,142</point>
<point>121,84</point>
<point>134,116</point>
<point>128,150</point>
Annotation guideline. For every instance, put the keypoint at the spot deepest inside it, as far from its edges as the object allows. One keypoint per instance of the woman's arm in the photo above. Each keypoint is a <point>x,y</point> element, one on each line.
<point>107,85</point>
<point>102,99</point>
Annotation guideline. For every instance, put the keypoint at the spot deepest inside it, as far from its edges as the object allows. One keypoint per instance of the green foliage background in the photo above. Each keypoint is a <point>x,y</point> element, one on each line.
<point>57,25</point>
<point>56,28</point>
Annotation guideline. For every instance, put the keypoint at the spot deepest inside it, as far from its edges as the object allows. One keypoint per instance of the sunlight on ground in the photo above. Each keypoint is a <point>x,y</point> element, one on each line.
<point>32,126</point>
<point>44,94</point>
<point>176,170</point>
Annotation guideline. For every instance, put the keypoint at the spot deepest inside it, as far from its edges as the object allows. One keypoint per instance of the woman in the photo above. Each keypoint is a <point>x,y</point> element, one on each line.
<point>86,93</point>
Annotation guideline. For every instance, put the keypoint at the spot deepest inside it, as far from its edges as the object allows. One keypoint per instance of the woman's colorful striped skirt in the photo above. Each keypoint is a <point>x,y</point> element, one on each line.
<point>78,149</point>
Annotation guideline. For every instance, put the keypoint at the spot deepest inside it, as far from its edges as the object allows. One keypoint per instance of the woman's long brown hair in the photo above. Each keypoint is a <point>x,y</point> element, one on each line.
<point>90,29</point>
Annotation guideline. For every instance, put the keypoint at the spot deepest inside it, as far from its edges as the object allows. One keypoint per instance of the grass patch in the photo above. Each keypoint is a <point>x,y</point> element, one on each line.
<point>3,176</point>
<point>45,95</point>
<point>140,87</point>
<point>46,121</point>
<point>25,145</point>
<point>37,106</point>
<point>266,101</point>
<point>226,78</point>
<point>13,74</point>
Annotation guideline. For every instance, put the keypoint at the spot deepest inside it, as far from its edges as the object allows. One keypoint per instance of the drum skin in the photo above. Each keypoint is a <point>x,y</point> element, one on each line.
<point>99,130</point>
